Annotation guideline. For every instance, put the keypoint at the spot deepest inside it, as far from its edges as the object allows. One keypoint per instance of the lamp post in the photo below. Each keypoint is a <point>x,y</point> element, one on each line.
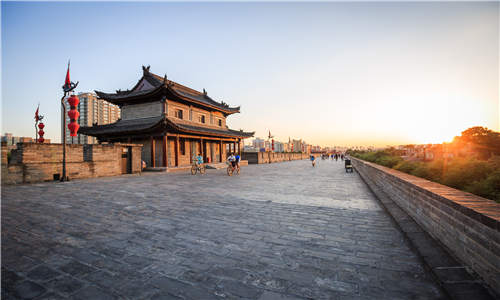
<point>67,88</point>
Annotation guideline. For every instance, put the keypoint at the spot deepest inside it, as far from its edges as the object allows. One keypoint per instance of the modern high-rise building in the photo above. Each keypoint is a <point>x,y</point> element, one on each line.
<point>93,111</point>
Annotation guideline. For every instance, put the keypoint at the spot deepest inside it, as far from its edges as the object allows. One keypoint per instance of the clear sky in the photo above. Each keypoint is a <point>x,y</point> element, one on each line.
<point>330,73</point>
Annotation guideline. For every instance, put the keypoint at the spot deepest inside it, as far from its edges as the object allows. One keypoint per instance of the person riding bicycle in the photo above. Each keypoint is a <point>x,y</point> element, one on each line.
<point>312,160</point>
<point>232,160</point>
<point>198,159</point>
<point>238,159</point>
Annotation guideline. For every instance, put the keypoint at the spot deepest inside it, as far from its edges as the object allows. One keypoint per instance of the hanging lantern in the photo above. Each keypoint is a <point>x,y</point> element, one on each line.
<point>73,114</point>
<point>41,132</point>
<point>73,101</point>
<point>272,144</point>
<point>73,128</point>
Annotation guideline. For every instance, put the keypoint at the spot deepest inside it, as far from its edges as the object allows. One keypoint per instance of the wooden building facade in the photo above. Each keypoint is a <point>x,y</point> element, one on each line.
<point>172,122</point>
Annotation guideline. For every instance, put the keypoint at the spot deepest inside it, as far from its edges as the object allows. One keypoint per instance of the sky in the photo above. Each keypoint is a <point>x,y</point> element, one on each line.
<point>333,74</point>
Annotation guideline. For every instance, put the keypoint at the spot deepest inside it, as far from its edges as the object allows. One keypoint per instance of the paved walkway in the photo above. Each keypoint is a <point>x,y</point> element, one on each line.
<point>279,231</point>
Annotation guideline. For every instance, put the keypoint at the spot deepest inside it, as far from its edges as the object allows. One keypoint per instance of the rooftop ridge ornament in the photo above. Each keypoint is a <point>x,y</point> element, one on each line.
<point>145,70</point>
<point>165,78</point>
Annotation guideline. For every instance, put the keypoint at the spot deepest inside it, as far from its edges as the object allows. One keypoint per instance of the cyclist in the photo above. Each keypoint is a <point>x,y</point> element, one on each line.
<point>198,160</point>
<point>232,160</point>
<point>238,159</point>
<point>312,160</point>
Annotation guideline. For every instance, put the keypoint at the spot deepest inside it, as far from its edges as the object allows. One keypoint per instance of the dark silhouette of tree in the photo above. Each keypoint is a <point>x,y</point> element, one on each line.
<point>486,142</point>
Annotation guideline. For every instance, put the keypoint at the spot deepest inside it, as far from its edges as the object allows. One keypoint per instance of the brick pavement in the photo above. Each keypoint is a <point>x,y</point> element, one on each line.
<point>279,231</point>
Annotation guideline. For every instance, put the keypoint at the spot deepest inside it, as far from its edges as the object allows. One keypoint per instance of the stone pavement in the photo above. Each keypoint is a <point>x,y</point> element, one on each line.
<point>278,231</point>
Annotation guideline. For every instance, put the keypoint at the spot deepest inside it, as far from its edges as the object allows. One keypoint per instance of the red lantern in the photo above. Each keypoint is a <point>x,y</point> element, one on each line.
<point>73,101</point>
<point>73,114</point>
<point>73,128</point>
<point>41,132</point>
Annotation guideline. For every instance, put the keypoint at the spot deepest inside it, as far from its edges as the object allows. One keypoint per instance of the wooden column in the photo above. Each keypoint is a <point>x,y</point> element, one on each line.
<point>234,145</point>
<point>177,151</point>
<point>190,151</point>
<point>239,147</point>
<point>153,152</point>
<point>165,149</point>
<point>220,150</point>
<point>201,150</point>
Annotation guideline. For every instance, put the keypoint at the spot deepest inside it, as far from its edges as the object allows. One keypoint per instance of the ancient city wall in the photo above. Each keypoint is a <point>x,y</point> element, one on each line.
<point>468,225</point>
<point>32,162</point>
<point>271,157</point>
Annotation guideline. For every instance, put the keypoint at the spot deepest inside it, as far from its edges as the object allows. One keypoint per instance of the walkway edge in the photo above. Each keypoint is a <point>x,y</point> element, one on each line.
<point>454,278</point>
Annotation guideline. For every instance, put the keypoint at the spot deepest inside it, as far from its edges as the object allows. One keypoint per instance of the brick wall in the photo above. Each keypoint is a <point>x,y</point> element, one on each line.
<point>467,225</point>
<point>40,162</point>
<point>267,157</point>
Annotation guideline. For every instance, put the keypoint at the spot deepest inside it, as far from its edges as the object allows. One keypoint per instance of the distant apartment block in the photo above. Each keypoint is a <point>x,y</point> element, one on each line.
<point>93,111</point>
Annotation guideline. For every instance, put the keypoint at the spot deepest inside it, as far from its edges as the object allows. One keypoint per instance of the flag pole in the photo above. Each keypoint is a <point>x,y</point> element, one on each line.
<point>64,135</point>
<point>36,123</point>
<point>67,88</point>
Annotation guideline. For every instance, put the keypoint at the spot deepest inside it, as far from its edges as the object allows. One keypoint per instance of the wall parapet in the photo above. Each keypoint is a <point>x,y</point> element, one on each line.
<point>33,162</point>
<point>271,157</point>
<point>466,224</point>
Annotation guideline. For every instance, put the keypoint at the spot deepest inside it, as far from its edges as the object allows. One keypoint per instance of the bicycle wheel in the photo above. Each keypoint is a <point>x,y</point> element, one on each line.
<point>229,171</point>
<point>202,170</point>
<point>237,171</point>
<point>193,170</point>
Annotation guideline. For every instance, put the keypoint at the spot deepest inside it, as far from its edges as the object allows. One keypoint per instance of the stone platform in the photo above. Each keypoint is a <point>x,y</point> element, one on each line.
<point>276,231</point>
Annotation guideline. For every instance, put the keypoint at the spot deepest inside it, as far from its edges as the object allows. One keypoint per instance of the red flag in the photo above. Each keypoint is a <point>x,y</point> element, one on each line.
<point>37,118</point>
<point>67,82</point>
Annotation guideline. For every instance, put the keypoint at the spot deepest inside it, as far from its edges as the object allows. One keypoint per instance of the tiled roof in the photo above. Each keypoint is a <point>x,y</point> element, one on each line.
<point>122,126</point>
<point>160,83</point>
<point>230,132</point>
<point>160,123</point>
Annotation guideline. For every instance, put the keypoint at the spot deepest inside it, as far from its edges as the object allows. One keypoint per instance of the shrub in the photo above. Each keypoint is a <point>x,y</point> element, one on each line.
<point>464,173</point>
<point>406,166</point>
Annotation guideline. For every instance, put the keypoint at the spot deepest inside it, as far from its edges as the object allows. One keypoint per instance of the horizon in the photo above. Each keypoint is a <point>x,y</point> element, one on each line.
<point>365,74</point>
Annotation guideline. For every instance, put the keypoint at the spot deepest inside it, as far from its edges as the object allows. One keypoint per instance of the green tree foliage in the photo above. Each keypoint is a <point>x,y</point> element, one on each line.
<point>486,142</point>
<point>477,172</point>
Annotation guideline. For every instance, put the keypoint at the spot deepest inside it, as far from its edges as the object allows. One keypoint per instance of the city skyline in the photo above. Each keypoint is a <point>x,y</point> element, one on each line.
<point>329,73</point>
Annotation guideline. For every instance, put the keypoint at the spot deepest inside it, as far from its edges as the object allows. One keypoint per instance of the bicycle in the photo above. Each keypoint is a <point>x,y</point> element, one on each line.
<point>197,167</point>
<point>230,169</point>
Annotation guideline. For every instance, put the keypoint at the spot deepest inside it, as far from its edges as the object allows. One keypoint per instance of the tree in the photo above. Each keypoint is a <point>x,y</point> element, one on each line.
<point>486,142</point>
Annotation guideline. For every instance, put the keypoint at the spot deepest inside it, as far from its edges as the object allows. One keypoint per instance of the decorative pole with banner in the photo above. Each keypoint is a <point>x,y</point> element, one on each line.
<point>37,118</point>
<point>67,88</point>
